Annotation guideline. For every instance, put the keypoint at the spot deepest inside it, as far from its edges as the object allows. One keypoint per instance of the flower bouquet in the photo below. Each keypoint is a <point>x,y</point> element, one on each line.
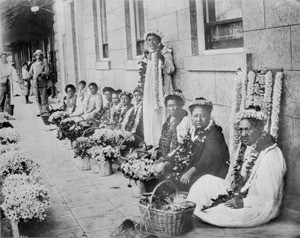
<point>57,117</point>
<point>81,147</point>
<point>23,199</point>
<point>67,128</point>
<point>16,162</point>
<point>104,156</point>
<point>110,137</point>
<point>9,136</point>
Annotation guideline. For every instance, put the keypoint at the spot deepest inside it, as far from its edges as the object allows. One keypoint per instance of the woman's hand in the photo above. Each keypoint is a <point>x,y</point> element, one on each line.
<point>235,203</point>
<point>193,132</point>
<point>186,178</point>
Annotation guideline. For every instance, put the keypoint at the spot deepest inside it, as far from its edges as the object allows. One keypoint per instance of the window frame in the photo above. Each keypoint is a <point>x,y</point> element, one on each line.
<point>202,33</point>
<point>133,27</point>
<point>100,31</point>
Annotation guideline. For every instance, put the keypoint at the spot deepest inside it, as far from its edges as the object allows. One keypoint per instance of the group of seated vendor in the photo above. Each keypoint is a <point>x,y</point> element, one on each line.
<point>111,108</point>
<point>243,191</point>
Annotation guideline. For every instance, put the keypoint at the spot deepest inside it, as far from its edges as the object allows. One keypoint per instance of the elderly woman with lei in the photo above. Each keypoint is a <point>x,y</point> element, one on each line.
<point>158,80</point>
<point>251,193</point>
<point>125,106</point>
<point>202,147</point>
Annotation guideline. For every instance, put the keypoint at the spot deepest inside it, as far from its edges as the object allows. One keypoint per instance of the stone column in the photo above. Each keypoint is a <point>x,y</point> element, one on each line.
<point>1,37</point>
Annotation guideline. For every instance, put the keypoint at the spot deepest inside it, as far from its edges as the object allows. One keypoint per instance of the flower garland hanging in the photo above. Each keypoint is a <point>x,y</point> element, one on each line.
<point>236,101</point>
<point>276,105</point>
<point>267,103</point>
<point>158,87</point>
<point>250,89</point>
<point>244,93</point>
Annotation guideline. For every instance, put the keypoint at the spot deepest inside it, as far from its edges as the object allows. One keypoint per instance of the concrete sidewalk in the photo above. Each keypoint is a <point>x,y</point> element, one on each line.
<point>87,205</point>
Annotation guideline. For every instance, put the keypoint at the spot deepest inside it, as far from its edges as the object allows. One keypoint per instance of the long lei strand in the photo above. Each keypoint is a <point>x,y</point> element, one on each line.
<point>157,83</point>
<point>267,104</point>
<point>264,141</point>
<point>250,89</point>
<point>276,105</point>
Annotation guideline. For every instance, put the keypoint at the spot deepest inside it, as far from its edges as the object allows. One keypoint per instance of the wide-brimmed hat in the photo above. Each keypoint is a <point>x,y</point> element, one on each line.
<point>201,102</point>
<point>109,89</point>
<point>38,52</point>
<point>153,32</point>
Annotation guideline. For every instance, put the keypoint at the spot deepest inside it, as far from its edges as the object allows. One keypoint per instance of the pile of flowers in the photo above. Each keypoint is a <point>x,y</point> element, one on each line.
<point>58,116</point>
<point>16,162</point>
<point>82,145</point>
<point>111,137</point>
<point>9,136</point>
<point>24,198</point>
<point>102,154</point>
<point>9,147</point>
<point>137,168</point>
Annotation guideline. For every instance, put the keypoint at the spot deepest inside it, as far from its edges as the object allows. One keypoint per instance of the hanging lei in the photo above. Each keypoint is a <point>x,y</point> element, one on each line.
<point>158,87</point>
<point>184,153</point>
<point>123,113</point>
<point>133,118</point>
<point>71,103</point>
<point>168,140</point>
<point>238,182</point>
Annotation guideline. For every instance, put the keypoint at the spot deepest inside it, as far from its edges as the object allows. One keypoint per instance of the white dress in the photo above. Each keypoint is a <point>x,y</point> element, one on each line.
<point>157,81</point>
<point>93,105</point>
<point>262,202</point>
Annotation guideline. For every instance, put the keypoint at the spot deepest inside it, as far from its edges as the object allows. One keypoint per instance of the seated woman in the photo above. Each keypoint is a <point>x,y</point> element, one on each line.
<point>120,114</point>
<point>174,102</point>
<point>252,192</point>
<point>93,103</point>
<point>115,107</point>
<point>69,101</point>
<point>133,121</point>
<point>104,116</point>
<point>81,97</point>
<point>203,151</point>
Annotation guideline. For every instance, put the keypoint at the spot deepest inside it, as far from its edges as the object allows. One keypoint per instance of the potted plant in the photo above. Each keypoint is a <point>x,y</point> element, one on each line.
<point>81,147</point>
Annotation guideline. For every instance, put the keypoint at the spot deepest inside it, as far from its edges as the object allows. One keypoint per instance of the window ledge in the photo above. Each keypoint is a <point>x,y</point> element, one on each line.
<point>102,65</point>
<point>217,61</point>
<point>132,64</point>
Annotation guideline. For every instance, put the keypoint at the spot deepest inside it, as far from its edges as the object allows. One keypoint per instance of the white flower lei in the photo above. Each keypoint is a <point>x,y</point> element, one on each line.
<point>9,135</point>
<point>158,89</point>
<point>24,198</point>
<point>244,92</point>
<point>236,104</point>
<point>276,104</point>
<point>268,97</point>
<point>250,88</point>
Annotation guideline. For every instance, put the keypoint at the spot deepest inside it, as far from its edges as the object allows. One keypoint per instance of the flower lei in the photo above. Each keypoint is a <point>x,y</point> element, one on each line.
<point>168,140</point>
<point>132,120</point>
<point>158,84</point>
<point>267,103</point>
<point>276,104</point>
<point>71,103</point>
<point>250,88</point>
<point>238,182</point>
<point>183,154</point>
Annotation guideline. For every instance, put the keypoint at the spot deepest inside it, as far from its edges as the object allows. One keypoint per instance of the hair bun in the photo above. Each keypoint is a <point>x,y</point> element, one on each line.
<point>254,107</point>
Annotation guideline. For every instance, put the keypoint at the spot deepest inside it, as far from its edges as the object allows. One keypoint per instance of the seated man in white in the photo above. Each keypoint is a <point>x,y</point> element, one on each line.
<point>93,104</point>
<point>251,193</point>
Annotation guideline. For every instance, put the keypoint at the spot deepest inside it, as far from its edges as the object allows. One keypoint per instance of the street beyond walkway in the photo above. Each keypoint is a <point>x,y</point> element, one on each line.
<point>87,205</point>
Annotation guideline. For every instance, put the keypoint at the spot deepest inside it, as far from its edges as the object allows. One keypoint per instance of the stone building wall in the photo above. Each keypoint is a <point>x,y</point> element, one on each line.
<point>271,39</point>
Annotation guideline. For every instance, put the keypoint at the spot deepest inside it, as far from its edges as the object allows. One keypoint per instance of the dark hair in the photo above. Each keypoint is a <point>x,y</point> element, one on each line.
<point>94,85</point>
<point>152,34</point>
<point>255,122</point>
<point>207,108</point>
<point>25,63</point>
<point>178,99</point>
<point>71,86</point>
<point>82,82</point>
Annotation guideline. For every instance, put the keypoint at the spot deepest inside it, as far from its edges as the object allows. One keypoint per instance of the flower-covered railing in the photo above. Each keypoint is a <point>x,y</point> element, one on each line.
<point>259,88</point>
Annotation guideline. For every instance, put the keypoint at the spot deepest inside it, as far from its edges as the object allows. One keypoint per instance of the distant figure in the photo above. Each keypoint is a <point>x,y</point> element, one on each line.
<point>39,71</point>
<point>26,82</point>
<point>158,80</point>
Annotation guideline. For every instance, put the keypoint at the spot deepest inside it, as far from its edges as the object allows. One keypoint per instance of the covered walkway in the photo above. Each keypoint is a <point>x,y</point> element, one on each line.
<point>87,205</point>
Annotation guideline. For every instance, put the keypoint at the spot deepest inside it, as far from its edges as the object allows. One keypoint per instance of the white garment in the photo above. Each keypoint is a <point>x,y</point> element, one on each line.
<point>262,202</point>
<point>93,105</point>
<point>80,102</point>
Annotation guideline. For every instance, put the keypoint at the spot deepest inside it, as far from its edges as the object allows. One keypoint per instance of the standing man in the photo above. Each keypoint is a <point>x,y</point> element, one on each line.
<point>7,74</point>
<point>39,71</point>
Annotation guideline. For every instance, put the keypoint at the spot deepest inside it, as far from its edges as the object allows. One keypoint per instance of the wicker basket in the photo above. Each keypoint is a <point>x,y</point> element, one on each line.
<point>170,223</point>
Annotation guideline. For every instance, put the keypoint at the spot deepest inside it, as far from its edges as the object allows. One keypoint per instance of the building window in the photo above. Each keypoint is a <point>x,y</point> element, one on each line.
<point>104,29</point>
<point>139,25</point>
<point>223,24</point>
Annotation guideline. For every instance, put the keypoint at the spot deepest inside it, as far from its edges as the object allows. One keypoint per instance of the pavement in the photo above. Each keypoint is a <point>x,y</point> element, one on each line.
<point>87,205</point>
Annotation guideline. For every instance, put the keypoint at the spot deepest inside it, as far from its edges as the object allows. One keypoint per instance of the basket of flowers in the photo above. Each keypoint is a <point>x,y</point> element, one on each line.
<point>23,199</point>
<point>165,211</point>
<point>67,128</point>
<point>102,158</point>
<point>9,136</point>
<point>57,116</point>
<point>81,147</point>
<point>139,167</point>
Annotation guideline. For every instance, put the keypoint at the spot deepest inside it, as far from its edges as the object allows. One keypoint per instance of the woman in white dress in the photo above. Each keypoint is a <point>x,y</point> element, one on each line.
<point>158,80</point>
<point>81,97</point>
<point>251,193</point>
<point>93,103</point>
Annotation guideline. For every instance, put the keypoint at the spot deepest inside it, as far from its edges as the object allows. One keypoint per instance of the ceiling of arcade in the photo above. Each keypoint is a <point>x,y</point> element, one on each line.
<point>21,24</point>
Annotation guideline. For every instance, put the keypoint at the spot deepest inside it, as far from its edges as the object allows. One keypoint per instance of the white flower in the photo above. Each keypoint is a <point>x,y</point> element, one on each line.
<point>9,135</point>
